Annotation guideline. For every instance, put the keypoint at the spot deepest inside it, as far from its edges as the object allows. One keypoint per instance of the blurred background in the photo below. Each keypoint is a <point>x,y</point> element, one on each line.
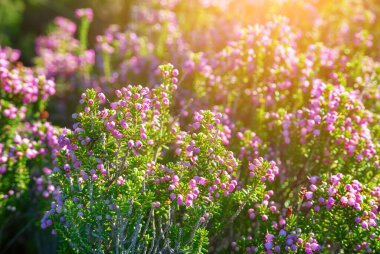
<point>21,21</point>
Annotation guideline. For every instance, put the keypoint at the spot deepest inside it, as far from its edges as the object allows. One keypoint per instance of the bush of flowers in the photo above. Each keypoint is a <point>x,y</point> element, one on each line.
<point>131,180</point>
<point>262,137</point>
<point>27,139</point>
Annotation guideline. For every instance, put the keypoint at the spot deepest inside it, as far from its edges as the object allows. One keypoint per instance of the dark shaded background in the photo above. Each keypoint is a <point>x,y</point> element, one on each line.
<point>22,20</point>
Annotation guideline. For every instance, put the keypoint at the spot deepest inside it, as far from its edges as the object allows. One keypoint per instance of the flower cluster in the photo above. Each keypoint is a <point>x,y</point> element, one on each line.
<point>336,118</point>
<point>60,54</point>
<point>25,134</point>
<point>340,204</point>
<point>335,212</point>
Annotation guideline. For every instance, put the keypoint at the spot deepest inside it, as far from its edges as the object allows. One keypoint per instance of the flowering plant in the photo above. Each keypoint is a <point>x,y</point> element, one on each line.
<point>26,138</point>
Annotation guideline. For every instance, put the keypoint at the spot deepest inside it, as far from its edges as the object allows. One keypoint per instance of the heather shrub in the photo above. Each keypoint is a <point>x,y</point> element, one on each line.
<point>333,213</point>
<point>26,139</point>
<point>145,185</point>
